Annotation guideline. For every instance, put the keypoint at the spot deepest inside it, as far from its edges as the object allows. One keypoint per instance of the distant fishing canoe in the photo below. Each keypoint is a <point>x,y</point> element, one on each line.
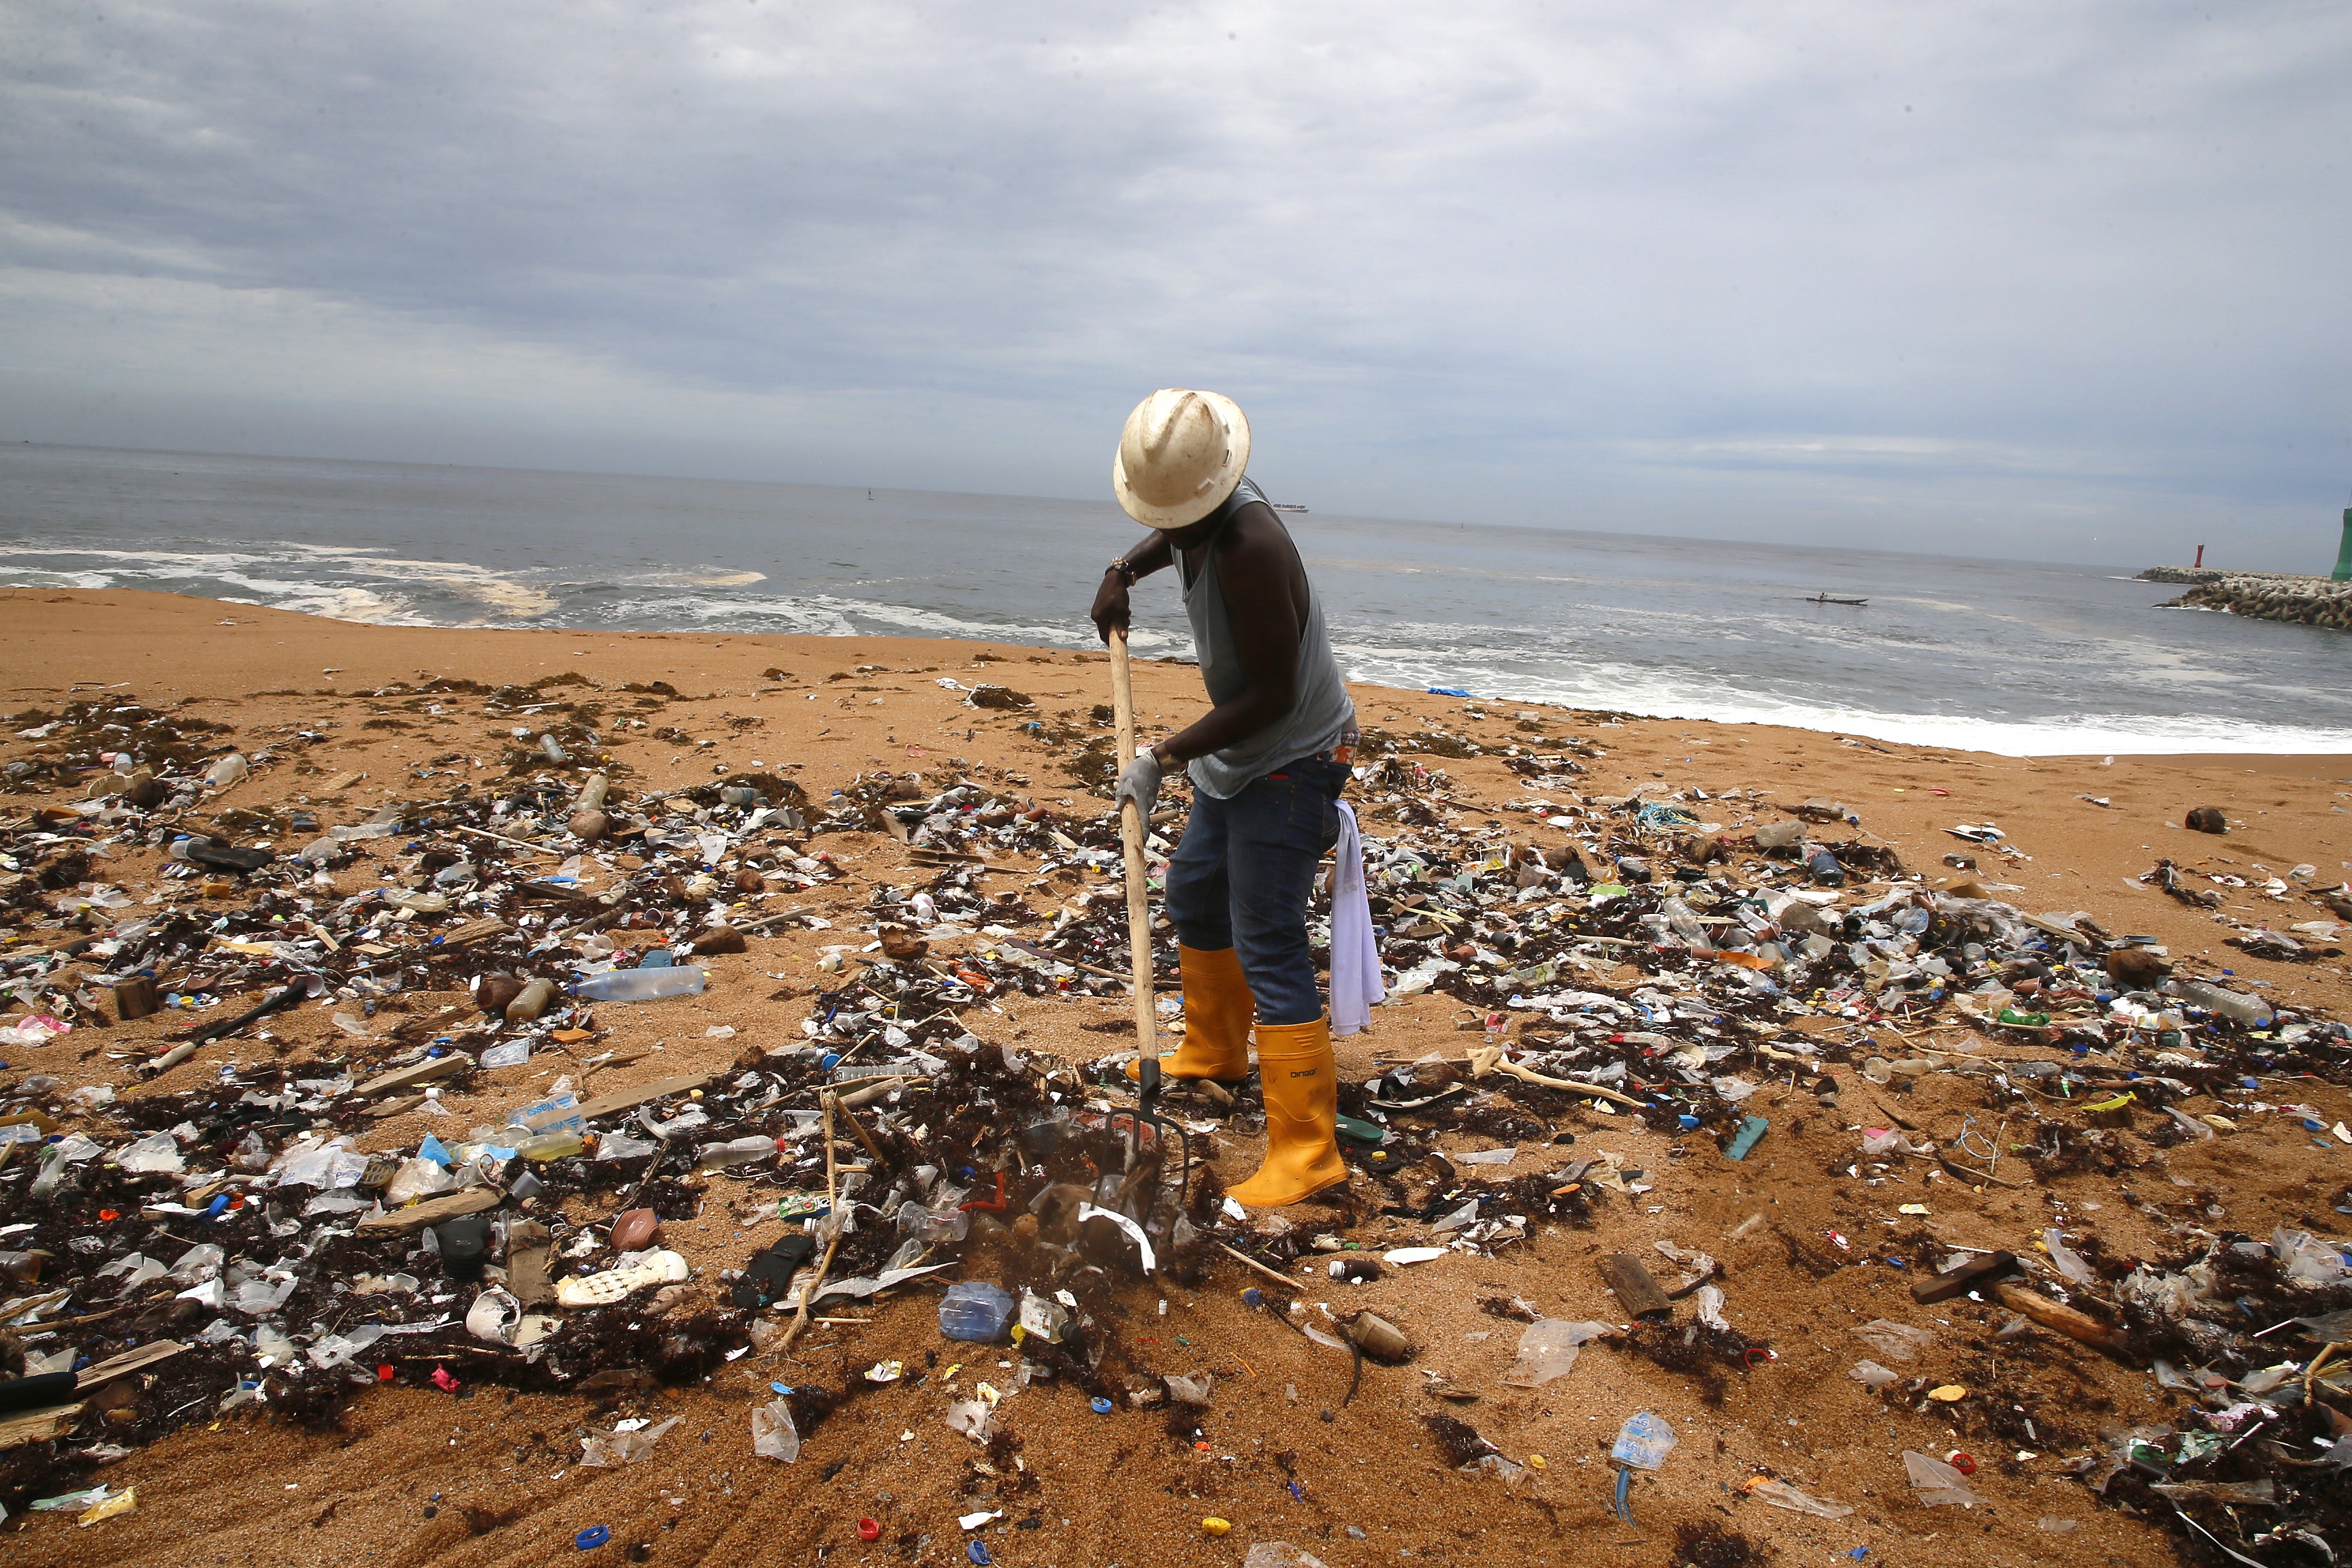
<point>1833,599</point>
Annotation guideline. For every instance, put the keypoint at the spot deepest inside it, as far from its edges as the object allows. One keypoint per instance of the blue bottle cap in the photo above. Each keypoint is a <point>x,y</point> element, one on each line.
<point>1101,1407</point>
<point>593,1537</point>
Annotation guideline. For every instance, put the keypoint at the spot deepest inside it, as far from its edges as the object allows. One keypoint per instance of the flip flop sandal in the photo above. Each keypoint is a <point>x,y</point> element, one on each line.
<point>770,1274</point>
<point>662,1268</point>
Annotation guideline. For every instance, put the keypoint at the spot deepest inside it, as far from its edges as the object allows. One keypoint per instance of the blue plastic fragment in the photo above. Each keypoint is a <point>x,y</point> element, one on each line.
<point>978,1553</point>
<point>1252,1296</point>
<point>1625,1486</point>
<point>593,1537</point>
<point>217,1207</point>
<point>1754,1128</point>
<point>1448,692</point>
<point>1689,1122</point>
<point>785,1388</point>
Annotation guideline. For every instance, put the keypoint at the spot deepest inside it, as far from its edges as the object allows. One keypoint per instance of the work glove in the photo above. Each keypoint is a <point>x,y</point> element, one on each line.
<point>1140,782</point>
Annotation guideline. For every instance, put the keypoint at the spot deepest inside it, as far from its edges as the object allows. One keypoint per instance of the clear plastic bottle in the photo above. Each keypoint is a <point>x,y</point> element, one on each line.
<point>1684,924</point>
<point>640,985</point>
<point>2250,1011</point>
<point>558,1143</point>
<point>736,1151</point>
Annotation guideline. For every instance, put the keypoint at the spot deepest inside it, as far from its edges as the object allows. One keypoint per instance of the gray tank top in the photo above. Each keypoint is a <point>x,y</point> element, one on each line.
<point>1319,714</point>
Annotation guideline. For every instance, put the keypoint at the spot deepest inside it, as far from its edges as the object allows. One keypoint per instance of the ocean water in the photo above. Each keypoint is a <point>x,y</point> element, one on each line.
<point>2017,658</point>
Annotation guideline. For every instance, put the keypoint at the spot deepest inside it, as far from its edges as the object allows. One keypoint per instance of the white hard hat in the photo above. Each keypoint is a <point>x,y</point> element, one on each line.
<point>1180,455</point>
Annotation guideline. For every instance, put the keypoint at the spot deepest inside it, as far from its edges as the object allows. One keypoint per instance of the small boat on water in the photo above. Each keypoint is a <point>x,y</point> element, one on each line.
<point>1285,506</point>
<point>1833,599</point>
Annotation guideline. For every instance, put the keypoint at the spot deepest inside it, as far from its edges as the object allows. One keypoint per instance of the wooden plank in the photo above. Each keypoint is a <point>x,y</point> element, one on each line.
<point>1634,1285</point>
<point>38,1426</point>
<point>127,1363</point>
<point>431,1211</point>
<point>630,1099</point>
<point>425,1071</point>
<point>475,930</point>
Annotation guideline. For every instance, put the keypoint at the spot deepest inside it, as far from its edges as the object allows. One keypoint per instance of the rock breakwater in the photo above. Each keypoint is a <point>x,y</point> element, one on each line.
<point>2290,596</point>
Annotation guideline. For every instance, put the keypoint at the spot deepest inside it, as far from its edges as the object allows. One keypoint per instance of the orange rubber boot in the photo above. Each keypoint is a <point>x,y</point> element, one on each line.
<point>1302,1106</point>
<point>1217,1010</point>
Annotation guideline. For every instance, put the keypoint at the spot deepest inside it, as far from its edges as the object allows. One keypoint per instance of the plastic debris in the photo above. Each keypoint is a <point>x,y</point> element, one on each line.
<point>1548,1350</point>
<point>1780,1494</point>
<point>1936,1483</point>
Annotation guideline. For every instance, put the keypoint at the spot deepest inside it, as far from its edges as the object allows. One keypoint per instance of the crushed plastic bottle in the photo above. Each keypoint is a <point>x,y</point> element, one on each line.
<point>975,1310</point>
<point>1644,1442</point>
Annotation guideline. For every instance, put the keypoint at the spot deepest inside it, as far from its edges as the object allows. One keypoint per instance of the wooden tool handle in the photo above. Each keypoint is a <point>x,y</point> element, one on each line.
<point>2075,1325</point>
<point>1131,829</point>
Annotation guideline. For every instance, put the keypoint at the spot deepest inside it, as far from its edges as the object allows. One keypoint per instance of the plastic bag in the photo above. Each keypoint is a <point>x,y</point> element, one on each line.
<point>1548,1350</point>
<point>619,1447</point>
<point>976,1312</point>
<point>416,1178</point>
<point>1279,1554</point>
<point>1895,1341</point>
<point>773,1436</point>
<point>2068,1261</point>
<point>2306,1258</point>
<point>158,1154</point>
<point>1872,1375</point>
<point>1780,1494</point>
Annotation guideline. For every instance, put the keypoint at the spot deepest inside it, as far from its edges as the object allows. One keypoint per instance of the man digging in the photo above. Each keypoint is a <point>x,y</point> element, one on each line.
<point>1267,763</point>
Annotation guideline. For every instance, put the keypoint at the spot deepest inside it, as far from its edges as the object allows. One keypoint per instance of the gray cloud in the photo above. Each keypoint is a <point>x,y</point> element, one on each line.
<point>2067,276</point>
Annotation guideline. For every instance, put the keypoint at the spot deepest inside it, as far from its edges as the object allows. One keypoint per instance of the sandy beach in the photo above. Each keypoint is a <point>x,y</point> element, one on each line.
<point>356,717</point>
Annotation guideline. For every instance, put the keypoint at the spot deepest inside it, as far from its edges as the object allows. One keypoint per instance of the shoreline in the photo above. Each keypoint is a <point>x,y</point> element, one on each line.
<point>2316,764</point>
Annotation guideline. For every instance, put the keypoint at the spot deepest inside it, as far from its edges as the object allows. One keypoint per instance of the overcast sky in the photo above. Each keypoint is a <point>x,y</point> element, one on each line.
<point>2060,279</point>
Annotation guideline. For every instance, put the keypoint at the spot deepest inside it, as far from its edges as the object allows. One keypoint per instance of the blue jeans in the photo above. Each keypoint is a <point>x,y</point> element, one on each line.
<point>1242,876</point>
